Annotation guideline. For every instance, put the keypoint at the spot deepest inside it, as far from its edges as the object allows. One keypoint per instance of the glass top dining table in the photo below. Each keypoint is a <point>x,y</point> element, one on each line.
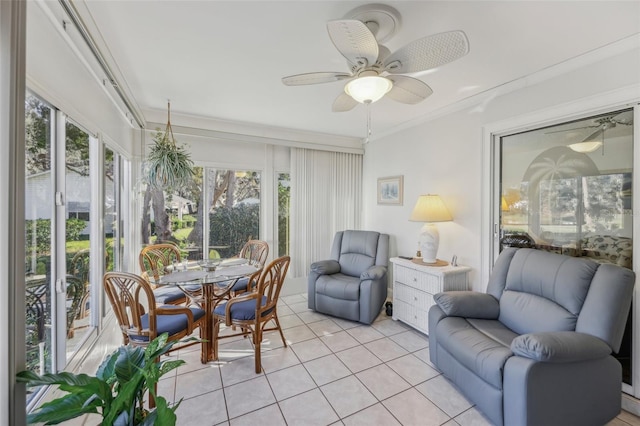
<point>205,284</point>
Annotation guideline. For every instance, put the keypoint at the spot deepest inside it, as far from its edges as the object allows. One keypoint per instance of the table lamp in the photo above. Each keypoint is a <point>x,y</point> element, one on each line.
<point>429,209</point>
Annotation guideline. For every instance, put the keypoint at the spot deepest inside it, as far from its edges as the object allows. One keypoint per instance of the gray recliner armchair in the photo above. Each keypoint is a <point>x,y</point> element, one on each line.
<point>353,283</point>
<point>535,349</point>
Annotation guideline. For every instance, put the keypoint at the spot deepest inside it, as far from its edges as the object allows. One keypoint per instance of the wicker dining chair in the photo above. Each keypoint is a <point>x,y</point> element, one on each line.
<point>155,260</point>
<point>256,252</point>
<point>252,311</point>
<point>139,317</point>
<point>141,320</point>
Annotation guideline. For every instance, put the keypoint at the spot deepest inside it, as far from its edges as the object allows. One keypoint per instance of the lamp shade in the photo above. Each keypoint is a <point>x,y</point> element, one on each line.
<point>503,205</point>
<point>430,208</point>
<point>368,89</point>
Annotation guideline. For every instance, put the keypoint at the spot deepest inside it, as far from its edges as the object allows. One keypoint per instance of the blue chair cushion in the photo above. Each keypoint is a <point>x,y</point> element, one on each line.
<point>243,311</point>
<point>241,284</point>
<point>170,324</point>
<point>169,294</point>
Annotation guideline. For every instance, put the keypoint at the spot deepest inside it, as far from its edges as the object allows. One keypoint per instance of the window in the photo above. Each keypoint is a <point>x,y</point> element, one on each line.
<point>212,218</point>
<point>567,189</point>
<point>284,198</point>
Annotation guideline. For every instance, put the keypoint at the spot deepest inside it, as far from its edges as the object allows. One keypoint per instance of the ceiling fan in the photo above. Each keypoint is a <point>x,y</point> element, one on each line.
<point>595,139</point>
<point>603,123</point>
<point>374,71</point>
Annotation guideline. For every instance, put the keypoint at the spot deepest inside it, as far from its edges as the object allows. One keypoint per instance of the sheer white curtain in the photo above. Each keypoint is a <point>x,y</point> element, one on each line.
<point>326,197</point>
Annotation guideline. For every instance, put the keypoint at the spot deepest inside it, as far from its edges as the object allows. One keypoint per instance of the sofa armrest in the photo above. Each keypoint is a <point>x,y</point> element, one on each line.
<point>325,267</point>
<point>375,272</point>
<point>559,347</point>
<point>468,304</point>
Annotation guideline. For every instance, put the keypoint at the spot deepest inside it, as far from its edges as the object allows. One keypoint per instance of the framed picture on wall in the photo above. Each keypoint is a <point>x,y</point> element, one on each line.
<point>390,190</point>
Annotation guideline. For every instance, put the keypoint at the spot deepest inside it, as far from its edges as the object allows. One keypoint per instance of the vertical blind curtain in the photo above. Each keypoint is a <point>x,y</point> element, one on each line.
<point>326,197</point>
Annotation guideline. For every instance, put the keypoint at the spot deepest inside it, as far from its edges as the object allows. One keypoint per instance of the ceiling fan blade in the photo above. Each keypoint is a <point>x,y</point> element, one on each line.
<point>428,52</point>
<point>625,117</point>
<point>596,136</point>
<point>314,78</point>
<point>343,103</point>
<point>571,129</point>
<point>354,41</point>
<point>408,90</point>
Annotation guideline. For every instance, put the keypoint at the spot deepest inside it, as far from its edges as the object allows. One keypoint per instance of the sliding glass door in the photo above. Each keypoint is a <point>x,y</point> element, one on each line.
<point>567,189</point>
<point>64,250</point>
<point>39,201</point>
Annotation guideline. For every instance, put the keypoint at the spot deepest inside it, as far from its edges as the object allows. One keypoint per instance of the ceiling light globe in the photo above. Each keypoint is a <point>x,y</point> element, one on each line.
<point>368,89</point>
<point>585,147</point>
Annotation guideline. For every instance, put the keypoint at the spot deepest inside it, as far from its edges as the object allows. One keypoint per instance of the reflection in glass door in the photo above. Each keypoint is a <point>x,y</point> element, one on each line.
<point>77,236</point>
<point>112,236</point>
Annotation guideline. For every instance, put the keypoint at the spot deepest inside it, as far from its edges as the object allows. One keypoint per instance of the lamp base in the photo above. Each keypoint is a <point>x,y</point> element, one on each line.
<point>429,241</point>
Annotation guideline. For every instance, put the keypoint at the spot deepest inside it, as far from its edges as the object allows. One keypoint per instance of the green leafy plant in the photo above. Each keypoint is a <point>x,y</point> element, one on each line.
<point>170,165</point>
<point>116,392</point>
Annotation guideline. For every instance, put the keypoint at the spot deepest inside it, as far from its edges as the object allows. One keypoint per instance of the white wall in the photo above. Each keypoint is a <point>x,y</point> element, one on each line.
<point>444,156</point>
<point>56,73</point>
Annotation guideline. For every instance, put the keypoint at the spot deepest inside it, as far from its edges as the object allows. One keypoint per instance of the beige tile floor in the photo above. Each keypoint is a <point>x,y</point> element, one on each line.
<point>333,372</point>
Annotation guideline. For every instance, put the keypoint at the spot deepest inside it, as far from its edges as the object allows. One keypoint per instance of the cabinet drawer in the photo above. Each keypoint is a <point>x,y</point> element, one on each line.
<point>404,312</point>
<point>412,315</point>
<point>413,278</point>
<point>418,299</point>
<point>412,295</point>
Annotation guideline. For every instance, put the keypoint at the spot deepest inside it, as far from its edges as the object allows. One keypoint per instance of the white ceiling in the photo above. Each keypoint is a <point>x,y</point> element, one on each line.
<point>224,59</point>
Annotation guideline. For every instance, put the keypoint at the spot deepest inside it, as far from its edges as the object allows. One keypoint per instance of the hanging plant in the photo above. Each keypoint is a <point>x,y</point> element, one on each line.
<point>170,165</point>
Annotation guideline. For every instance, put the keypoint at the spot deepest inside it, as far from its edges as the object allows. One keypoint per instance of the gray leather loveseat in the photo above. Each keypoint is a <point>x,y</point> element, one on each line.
<point>535,349</point>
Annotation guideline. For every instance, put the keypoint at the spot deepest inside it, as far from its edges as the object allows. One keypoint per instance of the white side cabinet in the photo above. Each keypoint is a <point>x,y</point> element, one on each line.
<point>414,286</point>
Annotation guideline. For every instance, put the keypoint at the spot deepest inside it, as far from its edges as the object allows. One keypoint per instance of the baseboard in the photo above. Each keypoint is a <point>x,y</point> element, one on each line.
<point>294,286</point>
<point>631,404</point>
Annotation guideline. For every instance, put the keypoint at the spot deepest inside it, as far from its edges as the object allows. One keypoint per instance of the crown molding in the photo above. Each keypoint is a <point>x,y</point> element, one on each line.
<point>214,128</point>
<point>610,50</point>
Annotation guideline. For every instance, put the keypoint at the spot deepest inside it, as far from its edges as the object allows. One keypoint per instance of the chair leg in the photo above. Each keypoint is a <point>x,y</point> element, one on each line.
<point>257,341</point>
<point>216,331</point>
<point>275,319</point>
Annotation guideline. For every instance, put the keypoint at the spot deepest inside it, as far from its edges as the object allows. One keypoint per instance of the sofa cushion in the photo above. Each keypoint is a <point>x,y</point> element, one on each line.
<point>339,286</point>
<point>528,313</point>
<point>474,349</point>
<point>358,251</point>
<point>608,249</point>
<point>540,282</point>
<point>494,330</point>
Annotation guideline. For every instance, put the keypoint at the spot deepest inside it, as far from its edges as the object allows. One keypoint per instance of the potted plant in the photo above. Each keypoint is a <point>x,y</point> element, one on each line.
<point>116,392</point>
<point>169,164</point>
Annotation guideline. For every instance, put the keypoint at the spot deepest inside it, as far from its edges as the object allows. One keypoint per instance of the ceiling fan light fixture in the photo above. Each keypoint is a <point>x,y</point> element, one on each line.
<point>592,142</point>
<point>585,147</point>
<point>368,89</point>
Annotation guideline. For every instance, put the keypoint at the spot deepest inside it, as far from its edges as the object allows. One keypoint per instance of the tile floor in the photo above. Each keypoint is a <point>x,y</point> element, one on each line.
<point>334,372</point>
